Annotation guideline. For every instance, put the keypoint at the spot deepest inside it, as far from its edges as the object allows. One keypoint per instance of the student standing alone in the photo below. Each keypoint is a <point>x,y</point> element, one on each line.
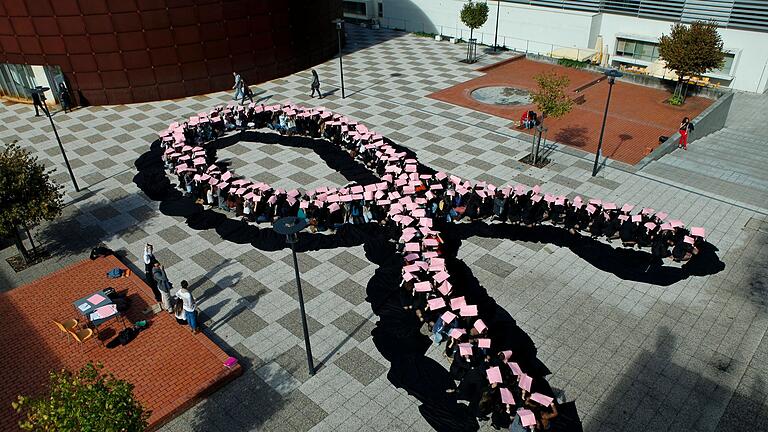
<point>686,127</point>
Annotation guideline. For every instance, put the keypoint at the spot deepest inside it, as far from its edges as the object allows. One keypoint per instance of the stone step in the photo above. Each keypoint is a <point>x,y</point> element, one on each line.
<point>751,160</point>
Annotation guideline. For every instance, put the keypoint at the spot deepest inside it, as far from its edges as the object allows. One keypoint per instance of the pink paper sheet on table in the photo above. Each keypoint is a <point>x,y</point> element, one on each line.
<point>95,299</point>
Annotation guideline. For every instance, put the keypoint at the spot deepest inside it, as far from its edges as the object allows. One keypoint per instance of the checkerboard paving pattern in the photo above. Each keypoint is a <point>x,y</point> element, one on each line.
<point>642,354</point>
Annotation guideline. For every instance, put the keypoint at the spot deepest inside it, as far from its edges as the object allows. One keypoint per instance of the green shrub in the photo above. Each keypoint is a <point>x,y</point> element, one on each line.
<point>424,34</point>
<point>572,63</point>
<point>676,100</point>
<point>85,401</point>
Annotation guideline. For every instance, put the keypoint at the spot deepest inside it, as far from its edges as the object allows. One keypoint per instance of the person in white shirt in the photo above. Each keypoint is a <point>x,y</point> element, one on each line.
<point>148,258</point>
<point>189,305</point>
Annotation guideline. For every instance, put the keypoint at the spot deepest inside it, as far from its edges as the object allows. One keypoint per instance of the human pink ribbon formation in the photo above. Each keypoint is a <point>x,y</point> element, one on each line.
<point>413,200</point>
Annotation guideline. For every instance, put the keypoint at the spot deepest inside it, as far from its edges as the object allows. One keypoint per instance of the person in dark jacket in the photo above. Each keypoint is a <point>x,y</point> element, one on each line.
<point>316,85</point>
<point>686,127</point>
<point>163,285</point>
<point>64,98</point>
<point>37,102</point>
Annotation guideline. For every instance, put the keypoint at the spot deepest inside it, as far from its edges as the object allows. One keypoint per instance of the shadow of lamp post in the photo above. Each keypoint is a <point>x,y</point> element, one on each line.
<point>339,26</point>
<point>40,91</point>
<point>612,74</point>
<point>290,227</point>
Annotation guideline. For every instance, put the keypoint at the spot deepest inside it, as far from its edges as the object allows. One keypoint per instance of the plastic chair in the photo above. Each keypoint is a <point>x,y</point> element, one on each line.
<point>82,335</point>
<point>67,326</point>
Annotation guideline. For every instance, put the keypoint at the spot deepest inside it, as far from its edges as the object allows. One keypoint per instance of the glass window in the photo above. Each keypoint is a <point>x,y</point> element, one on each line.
<point>647,52</point>
<point>641,50</point>
<point>354,8</point>
<point>629,48</point>
<point>17,80</point>
<point>727,65</point>
<point>381,10</point>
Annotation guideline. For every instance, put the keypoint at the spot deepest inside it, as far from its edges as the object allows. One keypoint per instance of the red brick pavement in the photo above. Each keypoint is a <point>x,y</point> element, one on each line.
<point>169,366</point>
<point>637,116</point>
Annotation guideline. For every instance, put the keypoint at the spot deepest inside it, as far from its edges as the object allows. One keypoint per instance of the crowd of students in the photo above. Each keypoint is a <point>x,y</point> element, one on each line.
<point>413,201</point>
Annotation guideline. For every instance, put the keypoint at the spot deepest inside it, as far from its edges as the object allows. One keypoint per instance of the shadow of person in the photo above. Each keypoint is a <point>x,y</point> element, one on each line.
<point>628,264</point>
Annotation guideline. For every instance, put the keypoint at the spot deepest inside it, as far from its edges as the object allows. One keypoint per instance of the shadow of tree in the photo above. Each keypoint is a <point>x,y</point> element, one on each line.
<point>572,135</point>
<point>657,393</point>
<point>79,229</point>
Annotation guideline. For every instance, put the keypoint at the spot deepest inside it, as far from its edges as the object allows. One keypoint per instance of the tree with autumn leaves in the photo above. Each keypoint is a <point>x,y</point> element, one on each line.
<point>27,194</point>
<point>691,50</point>
<point>551,100</point>
<point>88,400</point>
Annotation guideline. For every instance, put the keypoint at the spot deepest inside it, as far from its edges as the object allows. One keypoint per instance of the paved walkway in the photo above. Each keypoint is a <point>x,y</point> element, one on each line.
<point>168,365</point>
<point>730,163</point>
<point>632,355</point>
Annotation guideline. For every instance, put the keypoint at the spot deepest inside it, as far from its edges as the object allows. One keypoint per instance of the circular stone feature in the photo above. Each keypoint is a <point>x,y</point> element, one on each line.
<point>501,96</point>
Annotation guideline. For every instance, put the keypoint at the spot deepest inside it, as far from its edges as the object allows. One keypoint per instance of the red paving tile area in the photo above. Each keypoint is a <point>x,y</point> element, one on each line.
<point>169,366</point>
<point>637,114</point>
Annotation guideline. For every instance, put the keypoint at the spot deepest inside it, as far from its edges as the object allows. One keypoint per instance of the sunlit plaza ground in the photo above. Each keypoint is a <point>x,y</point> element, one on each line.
<point>689,355</point>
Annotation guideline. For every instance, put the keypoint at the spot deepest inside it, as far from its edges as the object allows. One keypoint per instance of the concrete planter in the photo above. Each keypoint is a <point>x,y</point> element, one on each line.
<point>438,38</point>
<point>454,40</point>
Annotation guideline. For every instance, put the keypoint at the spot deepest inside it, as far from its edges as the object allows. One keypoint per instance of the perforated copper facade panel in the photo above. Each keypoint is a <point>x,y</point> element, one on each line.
<point>122,51</point>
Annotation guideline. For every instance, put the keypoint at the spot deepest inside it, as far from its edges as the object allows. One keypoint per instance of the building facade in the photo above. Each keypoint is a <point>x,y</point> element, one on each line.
<point>626,30</point>
<point>123,51</point>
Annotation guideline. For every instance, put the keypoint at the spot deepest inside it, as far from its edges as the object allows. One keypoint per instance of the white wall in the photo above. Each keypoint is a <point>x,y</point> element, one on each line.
<point>42,80</point>
<point>542,27</point>
<point>749,62</point>
<point>537,29</point>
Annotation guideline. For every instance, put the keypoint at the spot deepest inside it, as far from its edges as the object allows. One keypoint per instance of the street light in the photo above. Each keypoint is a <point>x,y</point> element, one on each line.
<point>40,91</point>
<point>339,26</point>
<point>612,74</point>
<point>496,34</point>
<point>289,227</point>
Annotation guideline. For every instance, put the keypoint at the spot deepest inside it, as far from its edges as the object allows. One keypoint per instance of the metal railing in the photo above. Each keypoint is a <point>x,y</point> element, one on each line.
<point>528,46</point>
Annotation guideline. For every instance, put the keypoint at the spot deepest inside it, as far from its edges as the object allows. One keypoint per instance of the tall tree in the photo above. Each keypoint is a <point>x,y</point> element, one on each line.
<point>692,50</point>
<point>85,401</point>
<point>27,194</point>
<point>473,15</point>
<point>551,100</point>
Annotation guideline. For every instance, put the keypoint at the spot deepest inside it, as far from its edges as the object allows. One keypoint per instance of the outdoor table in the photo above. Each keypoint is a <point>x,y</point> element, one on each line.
<point>90,303</point>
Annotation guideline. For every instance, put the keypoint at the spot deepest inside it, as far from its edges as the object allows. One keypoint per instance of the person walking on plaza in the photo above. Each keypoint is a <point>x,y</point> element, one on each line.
<point>149,263</point>
<point>238,87</point>
<point>686,127</point>
<point>189,305</point>
<point>37,102</point>
<point>247,93</point>
<point>163,285</point>
<point>66,101</point>
<point>316,85</point>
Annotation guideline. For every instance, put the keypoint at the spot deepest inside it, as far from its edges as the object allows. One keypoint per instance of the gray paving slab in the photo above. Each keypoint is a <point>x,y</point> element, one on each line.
<point>687,356</point>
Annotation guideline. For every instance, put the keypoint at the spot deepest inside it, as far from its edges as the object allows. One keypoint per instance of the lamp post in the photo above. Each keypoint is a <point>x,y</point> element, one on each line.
<point>496,33</point>
<point>339,25</point>
<point>40,91</point>
<point>612,74</point>
<point>289,227</point>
